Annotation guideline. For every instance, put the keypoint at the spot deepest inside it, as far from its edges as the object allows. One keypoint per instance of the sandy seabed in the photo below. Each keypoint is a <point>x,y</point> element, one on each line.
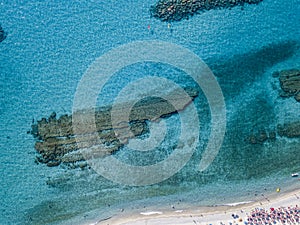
<point>220,214</point>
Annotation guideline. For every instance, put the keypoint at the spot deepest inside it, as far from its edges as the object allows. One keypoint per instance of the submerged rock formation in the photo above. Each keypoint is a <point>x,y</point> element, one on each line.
<point>261,136</point>
<point>56,142</point>
<point>287,130</point>
<point>2,34</point>
<point>176,10</point>
<point>290,83</point>
<point>290,130</point>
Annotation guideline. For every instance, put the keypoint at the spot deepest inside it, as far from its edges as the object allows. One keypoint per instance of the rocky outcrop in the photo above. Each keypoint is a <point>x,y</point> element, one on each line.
<point>57,143</point>
<point>176,10</point>
<point>2,34</point>
<point>290,83</point>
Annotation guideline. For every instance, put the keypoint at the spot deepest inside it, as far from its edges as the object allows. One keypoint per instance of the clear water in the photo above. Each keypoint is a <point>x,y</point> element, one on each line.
<point>51,44</point>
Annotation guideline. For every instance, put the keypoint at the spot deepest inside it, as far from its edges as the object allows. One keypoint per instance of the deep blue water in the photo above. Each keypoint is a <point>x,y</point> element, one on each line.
<point>51,44</point>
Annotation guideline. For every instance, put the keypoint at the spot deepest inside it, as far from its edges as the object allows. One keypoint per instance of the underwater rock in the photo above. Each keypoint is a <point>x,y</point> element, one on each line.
<point>290,130</point>
<point>176,10</point>
<point>259,137</point>
<point>3,34</point>
<point>290,83</point>
<point>57,143</point>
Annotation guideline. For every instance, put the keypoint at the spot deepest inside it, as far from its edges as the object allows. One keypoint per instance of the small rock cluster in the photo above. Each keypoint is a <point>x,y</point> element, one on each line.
<point>290,83</point>
<point>57,143</point>
<point>2,34</point>
<point>261,136</point>
<point>176,10</point>
<point>288,130</point>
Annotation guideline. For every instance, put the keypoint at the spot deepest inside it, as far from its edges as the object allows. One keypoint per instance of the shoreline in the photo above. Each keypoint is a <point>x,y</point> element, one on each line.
<point>205,215</point>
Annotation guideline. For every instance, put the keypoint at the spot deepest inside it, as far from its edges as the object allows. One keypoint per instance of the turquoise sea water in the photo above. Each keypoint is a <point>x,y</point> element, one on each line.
<point>51,44</point>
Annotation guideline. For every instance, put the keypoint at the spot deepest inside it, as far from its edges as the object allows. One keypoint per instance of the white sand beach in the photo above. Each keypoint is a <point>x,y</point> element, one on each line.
<point>221,214</point>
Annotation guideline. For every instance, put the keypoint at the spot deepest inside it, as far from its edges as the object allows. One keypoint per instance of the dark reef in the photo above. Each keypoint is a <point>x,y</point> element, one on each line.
<point>3,34</point>
<point>176,10</point>
<point>290,83</point>
<point>56,141</point>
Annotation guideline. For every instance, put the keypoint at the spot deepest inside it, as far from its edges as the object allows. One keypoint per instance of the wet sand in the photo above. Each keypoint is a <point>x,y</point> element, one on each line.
<point>220,214</point>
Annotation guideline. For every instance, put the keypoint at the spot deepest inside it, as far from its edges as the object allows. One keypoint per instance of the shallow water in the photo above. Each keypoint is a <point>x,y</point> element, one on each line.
<point>49,47</point>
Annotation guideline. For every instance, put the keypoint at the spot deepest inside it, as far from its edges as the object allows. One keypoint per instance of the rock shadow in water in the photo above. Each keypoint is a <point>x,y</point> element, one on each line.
<point>240,70</point>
